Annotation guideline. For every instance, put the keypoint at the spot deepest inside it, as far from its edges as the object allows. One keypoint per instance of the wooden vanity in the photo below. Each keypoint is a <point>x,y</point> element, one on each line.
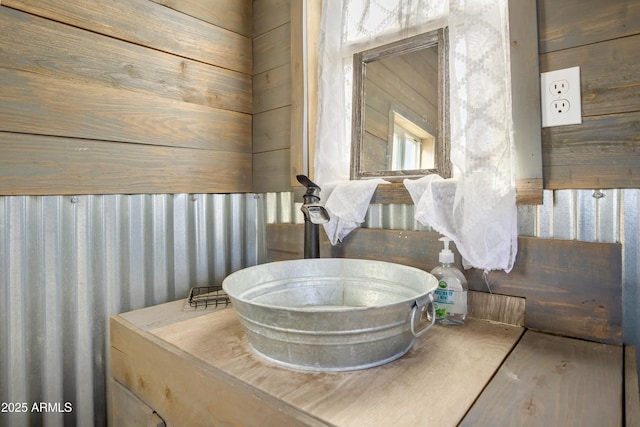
<point>552,355</point>
<point>185,367</point>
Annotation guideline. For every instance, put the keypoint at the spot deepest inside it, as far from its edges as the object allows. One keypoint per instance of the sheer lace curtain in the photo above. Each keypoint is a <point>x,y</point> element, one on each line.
<point>478,210</point>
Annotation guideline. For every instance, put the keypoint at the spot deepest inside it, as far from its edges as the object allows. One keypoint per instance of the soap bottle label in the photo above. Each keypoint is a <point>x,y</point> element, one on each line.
<point>448,301</point>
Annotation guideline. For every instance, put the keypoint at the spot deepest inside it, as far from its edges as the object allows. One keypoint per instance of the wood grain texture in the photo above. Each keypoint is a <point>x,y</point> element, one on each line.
<point>270,14</point>
<point>609,74</point>
<point>71,54</point>
<point>148,318</point>
<point>572,288</point>
<point>270,171</point>
<point>631,390</point>
<point>40,165</point>
<point>149,24</point>
<point>272,89</point>
<point>602,39</point>
<point>497,308</point>
<point>355,398</point>
<point>602,152</point>
<point>272,130</point>
<point>43,105</point>
<point>187,391</point>
<point>106,97</point>
<point>129,411</point>
<point>274,92</point>
<point>529,191</point>
<point>553,381</point>
<point>569,23</point>
<point>233,15</point>
<point>272,49</point>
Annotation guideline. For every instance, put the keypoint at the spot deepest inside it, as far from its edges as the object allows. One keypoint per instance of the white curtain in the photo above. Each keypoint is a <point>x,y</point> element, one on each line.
<point>476,208</point>
<point>484,211</point>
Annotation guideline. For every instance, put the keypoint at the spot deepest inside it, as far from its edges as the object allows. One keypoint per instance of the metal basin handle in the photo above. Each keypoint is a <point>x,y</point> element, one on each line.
<point>416,314</point>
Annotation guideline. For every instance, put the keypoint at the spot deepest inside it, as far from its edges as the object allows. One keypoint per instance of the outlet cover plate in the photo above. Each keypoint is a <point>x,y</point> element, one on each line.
<point>560,97</point>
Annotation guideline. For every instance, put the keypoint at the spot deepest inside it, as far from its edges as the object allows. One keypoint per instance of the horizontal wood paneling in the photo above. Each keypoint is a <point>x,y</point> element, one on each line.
<point>149,24</point>
<point>272,49</point>
<point>271,171</point>
<point>233,15</point>
<point>602,38</point>
<point>602,152</point>
<point>571,288</point>
<point>270,14</point>
<point>51,165</point>
<point>570,23</point>
<point>272,89</point>
<point>272,95</point>
<point>124,97</point>
<point>272,130</point>
<point>73,54</point>
<point>42,105</point>
<point>609,74</point>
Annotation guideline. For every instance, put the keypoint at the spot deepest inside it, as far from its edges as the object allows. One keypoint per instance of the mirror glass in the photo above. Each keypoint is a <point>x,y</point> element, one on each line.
<point>400,109</point>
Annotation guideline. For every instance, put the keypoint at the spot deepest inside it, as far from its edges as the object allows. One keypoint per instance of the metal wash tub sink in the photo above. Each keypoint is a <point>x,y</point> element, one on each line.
<point>332,314</point>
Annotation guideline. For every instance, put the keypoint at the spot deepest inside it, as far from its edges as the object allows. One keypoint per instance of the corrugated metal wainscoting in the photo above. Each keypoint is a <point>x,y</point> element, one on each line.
<point>68,263</point>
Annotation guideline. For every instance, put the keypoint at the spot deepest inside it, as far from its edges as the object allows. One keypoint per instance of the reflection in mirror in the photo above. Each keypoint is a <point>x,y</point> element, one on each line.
<point>400,109</point>
<point>412,146</point>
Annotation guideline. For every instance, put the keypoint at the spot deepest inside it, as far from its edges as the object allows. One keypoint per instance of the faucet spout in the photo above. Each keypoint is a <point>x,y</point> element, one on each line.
<point>314,214</point>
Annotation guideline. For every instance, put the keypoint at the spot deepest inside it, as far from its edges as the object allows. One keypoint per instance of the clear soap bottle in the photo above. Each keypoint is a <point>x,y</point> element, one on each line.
<point>451,295</point>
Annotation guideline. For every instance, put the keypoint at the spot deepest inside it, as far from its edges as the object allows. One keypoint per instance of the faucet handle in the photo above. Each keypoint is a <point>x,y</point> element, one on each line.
<point>304,180</point>
<point>313,189</point>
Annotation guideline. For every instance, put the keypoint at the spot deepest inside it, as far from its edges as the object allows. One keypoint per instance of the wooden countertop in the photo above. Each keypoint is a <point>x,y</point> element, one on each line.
<point>195,368</point>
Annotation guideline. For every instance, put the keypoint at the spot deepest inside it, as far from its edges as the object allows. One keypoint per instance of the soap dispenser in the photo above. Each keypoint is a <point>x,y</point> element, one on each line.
<point>450,297</point>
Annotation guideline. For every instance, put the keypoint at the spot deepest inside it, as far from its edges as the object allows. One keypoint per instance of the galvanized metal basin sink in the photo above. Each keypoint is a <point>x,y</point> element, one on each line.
<point>332,314</point>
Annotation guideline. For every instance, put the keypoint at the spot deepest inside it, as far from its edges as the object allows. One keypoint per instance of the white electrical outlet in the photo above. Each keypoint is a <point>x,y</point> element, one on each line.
<point>560,97</point>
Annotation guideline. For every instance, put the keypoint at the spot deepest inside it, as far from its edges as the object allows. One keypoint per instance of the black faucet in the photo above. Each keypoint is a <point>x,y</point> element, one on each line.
<point>314,214</point>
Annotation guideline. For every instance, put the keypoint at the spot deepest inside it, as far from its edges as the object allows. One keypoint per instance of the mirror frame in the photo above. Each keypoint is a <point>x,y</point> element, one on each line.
<point>437,38</point>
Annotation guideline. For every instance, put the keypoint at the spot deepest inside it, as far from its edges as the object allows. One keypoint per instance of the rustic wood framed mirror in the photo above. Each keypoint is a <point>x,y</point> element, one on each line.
<point>401,109</point>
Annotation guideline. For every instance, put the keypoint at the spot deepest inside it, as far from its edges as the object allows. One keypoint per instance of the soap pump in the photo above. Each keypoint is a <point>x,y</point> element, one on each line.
<point>450,297</point>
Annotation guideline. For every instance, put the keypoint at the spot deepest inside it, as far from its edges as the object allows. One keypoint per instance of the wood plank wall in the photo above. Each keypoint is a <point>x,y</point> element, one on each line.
<point>271,95</point>
<point>602,38</point>
<point>126,96</point>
